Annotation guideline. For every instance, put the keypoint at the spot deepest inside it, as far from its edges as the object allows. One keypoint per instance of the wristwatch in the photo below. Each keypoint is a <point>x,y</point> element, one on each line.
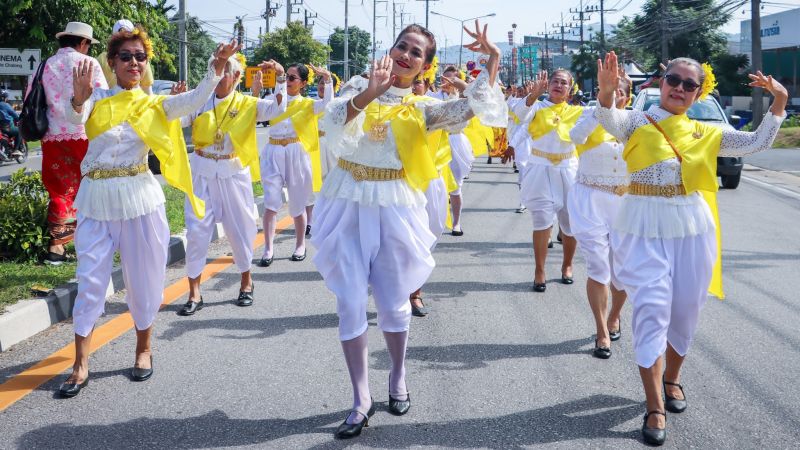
<point>281,79</point>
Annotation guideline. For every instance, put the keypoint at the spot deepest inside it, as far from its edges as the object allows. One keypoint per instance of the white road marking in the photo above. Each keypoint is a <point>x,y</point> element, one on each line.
<point>768,186</point>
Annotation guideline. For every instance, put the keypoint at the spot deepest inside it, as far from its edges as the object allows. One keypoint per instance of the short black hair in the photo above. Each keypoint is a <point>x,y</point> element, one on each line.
<point>302,70</point>
<point>69,40</point>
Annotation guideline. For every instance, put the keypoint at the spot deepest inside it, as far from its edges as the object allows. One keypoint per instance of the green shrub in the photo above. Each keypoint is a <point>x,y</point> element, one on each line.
<point>791,122</point>
<point>23,217</point>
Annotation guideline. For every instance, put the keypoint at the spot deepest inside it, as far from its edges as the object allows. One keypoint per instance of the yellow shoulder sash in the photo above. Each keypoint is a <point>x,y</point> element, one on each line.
<point>306,125</point>
<point>561,118</point>
<point>598,136</point>
<point>146,116</point>
<point>239,125</point>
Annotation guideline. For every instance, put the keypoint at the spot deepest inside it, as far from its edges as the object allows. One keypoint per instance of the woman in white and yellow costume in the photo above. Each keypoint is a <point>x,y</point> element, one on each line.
<point>120,204</point>
<point>291,158</point>
<point>593,204</point>
<point>542,146</point>
<point>666,245</point>
<point>371,228</point>
<point>224,164</point>
<point>146,84</point>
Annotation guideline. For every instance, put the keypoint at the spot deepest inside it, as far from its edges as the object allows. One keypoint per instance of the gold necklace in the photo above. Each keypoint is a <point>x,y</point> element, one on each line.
<point>379,130</point>
<point>219,135</point>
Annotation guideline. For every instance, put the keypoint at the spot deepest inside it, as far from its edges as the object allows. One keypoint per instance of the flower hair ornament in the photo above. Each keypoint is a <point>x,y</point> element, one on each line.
<point>462,75</point>
<point>242,63</point>
<point>430,75</point>
<point>710,82</point>
<point>337,83</point>
<point>310,74</point>
<point>148,44</point>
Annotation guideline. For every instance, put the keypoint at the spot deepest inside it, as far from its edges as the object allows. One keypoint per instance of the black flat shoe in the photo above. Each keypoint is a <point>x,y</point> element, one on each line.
<point>539,287</point>
<point>351,430</point>
<point>308,231</point>
<point>521,209</point>
<point>399,407</point>
<point>601,352</point>
<point>420,311</point>
<point>296,257</point>
<point>266,262</point>
<point>673,404</point>
<point>191,307</point>
<point>69,390</point>
<point>550,244</point>
<point>139,374</point>
<point>458,232</point>
<point>654,436</point>
<point>566,280</point>
<point>246,298</point>
<point>616,335</point>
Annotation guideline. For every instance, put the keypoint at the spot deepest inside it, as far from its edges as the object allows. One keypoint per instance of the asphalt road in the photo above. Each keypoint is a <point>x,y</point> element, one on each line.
<point>493,366</point>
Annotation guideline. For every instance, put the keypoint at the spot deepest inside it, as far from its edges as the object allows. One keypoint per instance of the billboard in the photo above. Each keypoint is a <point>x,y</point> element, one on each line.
<point>777,31</point>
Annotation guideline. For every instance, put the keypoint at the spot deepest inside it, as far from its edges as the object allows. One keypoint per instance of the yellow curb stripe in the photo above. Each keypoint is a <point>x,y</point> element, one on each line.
<point>25,382</point>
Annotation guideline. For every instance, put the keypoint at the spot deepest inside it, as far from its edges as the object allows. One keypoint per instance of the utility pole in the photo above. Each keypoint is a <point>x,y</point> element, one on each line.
<point>346,42</point>
<point>664,41</point>
<point>546,53</point>
<point>602,10</point>
<point>309,15</point>
<point>582,16</point>
<point>394,21</point>
<point>375,18</point>
<point>269,12</point>
<point>755,31</point>
<point>183,56</point>
<point>561,26</point>
<point>427,10</point>
<point>290,4</point>
<point>238,30</point>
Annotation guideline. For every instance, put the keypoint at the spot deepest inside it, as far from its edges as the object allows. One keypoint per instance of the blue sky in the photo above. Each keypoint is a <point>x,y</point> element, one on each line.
<point>529,15</point>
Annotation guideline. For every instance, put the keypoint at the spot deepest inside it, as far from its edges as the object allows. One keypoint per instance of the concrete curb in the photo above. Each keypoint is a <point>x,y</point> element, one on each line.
<point>26,318</point>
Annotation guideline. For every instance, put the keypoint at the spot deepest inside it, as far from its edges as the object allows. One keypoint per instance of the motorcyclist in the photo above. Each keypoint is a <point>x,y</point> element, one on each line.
<point>8,117</point>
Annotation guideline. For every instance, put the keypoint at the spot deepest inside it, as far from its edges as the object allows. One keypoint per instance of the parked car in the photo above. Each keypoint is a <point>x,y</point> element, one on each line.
<point>162,87</point>
<point>729,169</point>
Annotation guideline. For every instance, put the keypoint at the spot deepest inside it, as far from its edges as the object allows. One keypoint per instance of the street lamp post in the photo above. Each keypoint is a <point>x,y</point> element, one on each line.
<point>461,47</point>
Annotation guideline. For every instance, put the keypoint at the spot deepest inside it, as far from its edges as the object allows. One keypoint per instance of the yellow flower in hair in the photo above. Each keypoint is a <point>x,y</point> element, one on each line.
<point>430,74</point>
<point>710,83</point>
<point>462,75</point>
<point>310,74</point>
<point>148,44</point>
<point>242,60</point>
<point>337,83</point>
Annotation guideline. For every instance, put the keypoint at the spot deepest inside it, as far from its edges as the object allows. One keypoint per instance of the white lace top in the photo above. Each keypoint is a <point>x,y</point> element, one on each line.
<point>284,129</point>
<point>680,216</point>
<point>348,141</point>
<point>523,143</point>
<point>124,198</point>
<point>602,164</point>
<point>267,108</point>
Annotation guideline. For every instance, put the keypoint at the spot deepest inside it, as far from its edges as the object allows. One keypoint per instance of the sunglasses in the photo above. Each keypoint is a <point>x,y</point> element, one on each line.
<point>126,57</point>
<point>293,78</point>
<point>674,81</point>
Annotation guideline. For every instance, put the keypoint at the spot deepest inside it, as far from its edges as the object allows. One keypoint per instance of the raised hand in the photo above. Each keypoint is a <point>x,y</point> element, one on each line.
<point>456,83</point>
<point>607,79</point>
<point>381,77</point>
<point>775,88</point>
<point>321,72</point>
<point>225,51</point>
<point>272,65</point>
<point>258,83</point>
<point>82,83</point>
<point>482,43</point>
<point>178,88</point>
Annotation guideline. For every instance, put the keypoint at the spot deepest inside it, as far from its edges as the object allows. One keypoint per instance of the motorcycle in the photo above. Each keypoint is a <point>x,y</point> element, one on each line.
<point>7,145</point>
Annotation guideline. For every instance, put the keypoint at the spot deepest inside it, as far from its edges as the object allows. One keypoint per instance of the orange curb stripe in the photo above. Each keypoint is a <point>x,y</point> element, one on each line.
<point>25,382</point>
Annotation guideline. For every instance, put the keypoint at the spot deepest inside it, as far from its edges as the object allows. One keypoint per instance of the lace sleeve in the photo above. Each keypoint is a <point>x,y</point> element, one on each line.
<point>621,123</point>
<point>585,126</point>
<point>741,143</point>
<point>342,137</point>
<point>483,100</point>
<point>79,118</point>
<point>184,104</point>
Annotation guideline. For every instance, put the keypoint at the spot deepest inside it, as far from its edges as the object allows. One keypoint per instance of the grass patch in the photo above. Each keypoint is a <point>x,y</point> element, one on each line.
<point>17,279</point>
<point>34,145</point>
<point>788,138</point>
<point>174,206</point>
<point>258,190</point>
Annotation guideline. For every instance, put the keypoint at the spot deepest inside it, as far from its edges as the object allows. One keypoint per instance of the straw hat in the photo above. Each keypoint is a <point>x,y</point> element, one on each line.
<point>79,29</point>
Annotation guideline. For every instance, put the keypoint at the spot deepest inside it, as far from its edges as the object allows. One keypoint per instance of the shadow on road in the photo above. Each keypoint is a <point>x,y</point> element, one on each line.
<point>593,417</point>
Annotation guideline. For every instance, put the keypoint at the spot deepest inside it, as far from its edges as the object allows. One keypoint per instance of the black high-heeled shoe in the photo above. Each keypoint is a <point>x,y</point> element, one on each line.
<point>351,430</point>
<point>140,374</point>
<point>399,407</point>
<point>672,404</point>
<point>601,352</point>
<point>616,335</point>
<point>539,287</point>
<point>69,390</point>
<point>654,436</point>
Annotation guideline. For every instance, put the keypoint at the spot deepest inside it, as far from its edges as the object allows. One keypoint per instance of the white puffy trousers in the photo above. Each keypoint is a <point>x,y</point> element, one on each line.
<point>142,243</point>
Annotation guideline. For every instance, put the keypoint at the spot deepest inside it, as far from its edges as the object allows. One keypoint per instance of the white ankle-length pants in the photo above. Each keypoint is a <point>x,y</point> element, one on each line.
<point>142,243</point>
<point>667,283</point>
<point>228,201</point>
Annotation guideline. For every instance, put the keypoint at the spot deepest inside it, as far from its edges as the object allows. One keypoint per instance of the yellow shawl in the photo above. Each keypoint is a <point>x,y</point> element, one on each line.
<point>561,117</point>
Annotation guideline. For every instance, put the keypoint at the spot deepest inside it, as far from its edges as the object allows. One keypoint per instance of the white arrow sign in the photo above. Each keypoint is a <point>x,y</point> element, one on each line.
<point>15,62</point>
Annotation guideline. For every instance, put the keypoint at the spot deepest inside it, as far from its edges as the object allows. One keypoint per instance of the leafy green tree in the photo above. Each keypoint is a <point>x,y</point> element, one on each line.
<point>359,49</point>
<point>730,72</point>
<point>584,63</point>
<point>293,44</point>
<point>34,23</point>
<point>200,47</point>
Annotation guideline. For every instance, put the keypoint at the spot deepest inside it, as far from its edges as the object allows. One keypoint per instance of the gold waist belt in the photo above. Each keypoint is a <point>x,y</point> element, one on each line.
<point>366,173</point>
<point>117,172</point>
<point>214,156</point>
<point>554,158</point>
<point>652,190</point>
<point>616,189</point>
<point>283,142</point>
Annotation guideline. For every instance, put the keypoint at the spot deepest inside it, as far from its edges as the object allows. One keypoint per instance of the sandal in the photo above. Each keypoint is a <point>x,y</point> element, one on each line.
<point>418,311</point>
